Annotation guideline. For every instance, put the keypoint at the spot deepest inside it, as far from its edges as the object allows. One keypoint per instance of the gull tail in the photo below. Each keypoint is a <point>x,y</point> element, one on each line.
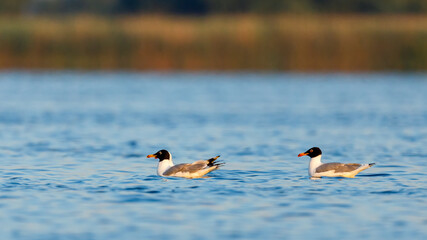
<point>213,163</point>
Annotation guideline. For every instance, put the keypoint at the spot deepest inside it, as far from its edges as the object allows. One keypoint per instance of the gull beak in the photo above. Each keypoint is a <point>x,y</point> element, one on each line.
<point>152,156</point>
<point>302,154</point>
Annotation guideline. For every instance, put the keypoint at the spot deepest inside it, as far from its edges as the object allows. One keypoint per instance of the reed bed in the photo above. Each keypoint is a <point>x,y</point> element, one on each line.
<point>231,42</point>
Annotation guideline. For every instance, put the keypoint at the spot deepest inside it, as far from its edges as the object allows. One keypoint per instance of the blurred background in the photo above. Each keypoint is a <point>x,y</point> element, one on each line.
<point>268,35</point>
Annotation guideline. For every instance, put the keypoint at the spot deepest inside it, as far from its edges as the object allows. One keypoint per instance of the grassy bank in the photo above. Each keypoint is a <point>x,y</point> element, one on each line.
<point>245,42</point>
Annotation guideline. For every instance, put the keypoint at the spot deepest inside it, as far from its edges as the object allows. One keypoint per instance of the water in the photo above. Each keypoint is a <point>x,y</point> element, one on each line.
<point>73,149</point>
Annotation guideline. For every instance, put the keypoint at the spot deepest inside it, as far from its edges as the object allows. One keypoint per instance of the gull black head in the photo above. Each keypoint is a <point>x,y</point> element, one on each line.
<point>312,152</point>
<point>161,155</point>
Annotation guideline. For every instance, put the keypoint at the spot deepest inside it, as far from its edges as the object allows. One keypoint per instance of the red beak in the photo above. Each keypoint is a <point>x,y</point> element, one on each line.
<point>302,154</point>
<point>152,156</point>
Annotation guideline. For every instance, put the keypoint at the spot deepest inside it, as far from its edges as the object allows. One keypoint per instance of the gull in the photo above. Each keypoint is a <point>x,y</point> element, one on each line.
<point>197,169</point>
<point>317,169</point>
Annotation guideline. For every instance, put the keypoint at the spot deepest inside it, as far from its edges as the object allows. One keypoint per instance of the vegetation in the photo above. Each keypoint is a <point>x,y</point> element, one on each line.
<point>216,42</point>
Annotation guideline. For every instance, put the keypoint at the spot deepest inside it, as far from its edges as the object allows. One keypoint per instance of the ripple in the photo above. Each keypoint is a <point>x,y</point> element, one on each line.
<point>151,178</point>
<point>375,175</point>
<point>98,189</point>
<point>297,214</point>
<point>136,188</point>
<point>153,192</point>
<point>329,205</point>
<point>137,199</point>
<point>390,166</point>
<point>8,197</point>
<point>388,192</point>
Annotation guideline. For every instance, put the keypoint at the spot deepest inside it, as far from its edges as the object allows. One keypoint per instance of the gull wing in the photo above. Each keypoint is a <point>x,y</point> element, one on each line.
<point>187,167</point>
<point>337,167</point>
<point>194,167</point>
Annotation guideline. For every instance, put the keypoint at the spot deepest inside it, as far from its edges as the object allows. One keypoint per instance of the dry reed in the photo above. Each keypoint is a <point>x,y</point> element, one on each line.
<point>242,42</point>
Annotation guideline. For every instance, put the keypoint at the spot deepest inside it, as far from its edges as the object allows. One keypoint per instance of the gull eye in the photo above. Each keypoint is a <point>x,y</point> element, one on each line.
<point>311,150</point>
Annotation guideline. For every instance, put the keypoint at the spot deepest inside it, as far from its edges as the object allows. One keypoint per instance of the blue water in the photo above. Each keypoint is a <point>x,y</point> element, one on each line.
<point>73,149</point>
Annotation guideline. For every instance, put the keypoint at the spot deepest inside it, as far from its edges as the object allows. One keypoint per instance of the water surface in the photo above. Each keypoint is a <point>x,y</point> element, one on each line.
<point>73,149</point>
